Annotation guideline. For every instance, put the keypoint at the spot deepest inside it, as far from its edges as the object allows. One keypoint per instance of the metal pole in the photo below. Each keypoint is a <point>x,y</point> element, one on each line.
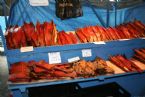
<point>3,40</point>
<point>115,12</point>
<point>108,14</point>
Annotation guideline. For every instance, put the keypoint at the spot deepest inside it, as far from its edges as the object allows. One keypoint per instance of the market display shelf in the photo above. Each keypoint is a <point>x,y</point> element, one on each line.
<point>103,50</point>
<point>22,87</point>
<point>77,46</point>
<point>100,49</point>
<point>118,73</point>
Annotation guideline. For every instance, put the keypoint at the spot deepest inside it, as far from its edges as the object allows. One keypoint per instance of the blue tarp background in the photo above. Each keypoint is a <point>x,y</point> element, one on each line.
<point>21,11</point>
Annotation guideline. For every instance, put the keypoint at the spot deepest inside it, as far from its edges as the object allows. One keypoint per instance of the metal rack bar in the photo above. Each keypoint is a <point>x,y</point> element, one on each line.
<point>3,39</point>
<point>115,7</point>
<point>108,14</point>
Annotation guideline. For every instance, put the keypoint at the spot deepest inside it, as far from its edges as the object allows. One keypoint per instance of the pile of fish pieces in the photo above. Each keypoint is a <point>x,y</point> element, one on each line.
<point>32,70</point>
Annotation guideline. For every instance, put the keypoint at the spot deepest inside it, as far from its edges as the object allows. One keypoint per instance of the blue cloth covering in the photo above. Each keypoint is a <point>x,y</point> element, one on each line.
<point>21,11</point>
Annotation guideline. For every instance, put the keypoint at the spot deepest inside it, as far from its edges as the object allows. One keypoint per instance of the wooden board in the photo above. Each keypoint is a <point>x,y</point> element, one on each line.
<point>119,71</point>
<point>115,68</point>
<point>139,64</point>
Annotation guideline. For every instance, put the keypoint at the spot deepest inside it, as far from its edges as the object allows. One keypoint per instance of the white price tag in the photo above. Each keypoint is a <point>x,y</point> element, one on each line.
<point>112,0</point>
<point>86,53</point>
<point>74,59</point>
<point>54,57</point>
<point>26,49</point>
<point>123,39</point>
<point>39,2</point>
<point>100,42</point>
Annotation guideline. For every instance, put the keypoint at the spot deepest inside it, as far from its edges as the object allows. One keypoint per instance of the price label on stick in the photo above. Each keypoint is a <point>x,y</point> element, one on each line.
<point>54,57</point>
<point>39,2</point>
<point>86,53</point>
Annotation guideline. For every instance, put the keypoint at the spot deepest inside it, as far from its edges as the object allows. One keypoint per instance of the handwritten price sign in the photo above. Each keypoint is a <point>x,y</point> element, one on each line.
<point>54,57</point>
<point>86,53</point>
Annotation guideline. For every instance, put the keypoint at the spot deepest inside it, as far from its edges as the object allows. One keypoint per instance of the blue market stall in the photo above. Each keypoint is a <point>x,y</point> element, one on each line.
<point>21,12</point>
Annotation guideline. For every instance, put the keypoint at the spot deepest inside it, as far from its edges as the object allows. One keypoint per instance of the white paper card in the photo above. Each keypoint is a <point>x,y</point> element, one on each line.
<point>74,59</point>
<point>123,39</point>
<point>26,49</point>
<point>39,2</point>
<point>112,0</point>
<point>54,57</point>
<point>100,42</point>
<point>86,53</point>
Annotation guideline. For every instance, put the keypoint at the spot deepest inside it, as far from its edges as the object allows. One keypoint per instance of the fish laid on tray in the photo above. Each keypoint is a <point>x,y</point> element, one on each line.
<point>32,70</point>
<point>46,34</point>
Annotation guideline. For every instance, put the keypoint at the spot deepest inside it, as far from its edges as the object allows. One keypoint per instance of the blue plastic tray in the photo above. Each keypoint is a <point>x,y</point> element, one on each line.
<point>69,51</point>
